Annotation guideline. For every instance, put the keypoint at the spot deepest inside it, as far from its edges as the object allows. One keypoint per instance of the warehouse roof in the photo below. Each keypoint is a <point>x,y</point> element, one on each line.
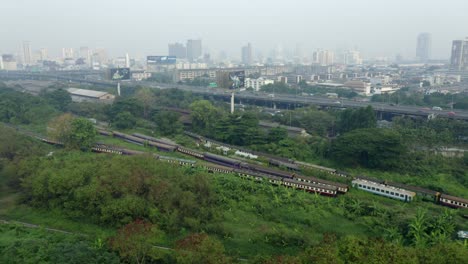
<point>86,93</point>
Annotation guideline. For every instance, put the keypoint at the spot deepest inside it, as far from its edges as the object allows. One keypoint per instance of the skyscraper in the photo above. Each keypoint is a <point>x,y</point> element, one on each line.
<point>27,53</point>
<point>67,53</point>
<point>43,54</point>
<point>247,54</point>
<point>194,49</point>
<point>352,57</point>
<point>423,47</point>
<point>324,57</point>
<point>85,53</point>
<point>459,58</point>
<point>178,50</point>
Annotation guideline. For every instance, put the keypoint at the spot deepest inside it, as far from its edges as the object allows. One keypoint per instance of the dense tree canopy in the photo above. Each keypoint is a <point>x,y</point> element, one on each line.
<point>372,148</point>
<point>351,119</point>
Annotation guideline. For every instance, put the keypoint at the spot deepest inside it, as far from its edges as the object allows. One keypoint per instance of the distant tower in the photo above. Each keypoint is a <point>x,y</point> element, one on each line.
<point>27,54</point>
<point>194,49</point>
<point>232,103</point>
<point>127,61</point>
<point>178,50</point>
<point>67,53</point>
<point>459,58</point>
<point>423,47</point>
<point>85,53</point>
<point>43,54</point>
<point>247,54</point>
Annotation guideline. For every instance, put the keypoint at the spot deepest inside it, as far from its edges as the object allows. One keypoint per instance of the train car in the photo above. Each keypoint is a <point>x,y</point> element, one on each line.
<point>310,187</point>
<point>341,187</point>
<point>100,148</point>
<point>50,141</point>
<point>182,162</point>
<point>452,201</point>
<point>249,175</point>
<point>426,194</point>
<point>342,174</point>
<point>287,165</point>
<point>369,179</point>
<point>104,133</point>
<point>130,152</point>
<point>221,160</point>
<point>129,138</point>
<point>212,168</point>
<point>268,171</point>
<point>161,146</point>
<point>138,135</point>
<point>275,180</point>
<point>190,152</point>
<point>384,190</point>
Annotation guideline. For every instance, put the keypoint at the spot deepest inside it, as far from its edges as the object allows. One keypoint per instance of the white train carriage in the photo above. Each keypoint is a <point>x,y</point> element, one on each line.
<point>384,190</point>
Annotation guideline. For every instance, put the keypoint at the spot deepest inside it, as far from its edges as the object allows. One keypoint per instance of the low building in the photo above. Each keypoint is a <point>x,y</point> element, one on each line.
<point>140,75</point>
<point>82,95</point>
<point>256,84</point>
<point>360,87</point>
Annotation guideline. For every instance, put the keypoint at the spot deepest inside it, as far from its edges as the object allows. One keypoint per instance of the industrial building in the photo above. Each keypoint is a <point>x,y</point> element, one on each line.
<point>82,95</point>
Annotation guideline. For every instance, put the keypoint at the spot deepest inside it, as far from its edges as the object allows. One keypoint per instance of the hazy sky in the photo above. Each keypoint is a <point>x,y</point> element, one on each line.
<point>144,27</point>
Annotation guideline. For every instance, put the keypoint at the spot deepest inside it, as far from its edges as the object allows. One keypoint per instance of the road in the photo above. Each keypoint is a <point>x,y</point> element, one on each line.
<point>278,98</point>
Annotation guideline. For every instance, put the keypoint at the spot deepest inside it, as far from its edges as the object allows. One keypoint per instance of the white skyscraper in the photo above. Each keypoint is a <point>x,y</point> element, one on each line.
<point>27,53</point>
<point>67,53</point>
<point>352,57</point>
<point>324,57</point>
<point>127,60</point>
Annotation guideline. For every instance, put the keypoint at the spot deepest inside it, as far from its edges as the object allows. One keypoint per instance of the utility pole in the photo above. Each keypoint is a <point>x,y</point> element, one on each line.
<point>232,103</point>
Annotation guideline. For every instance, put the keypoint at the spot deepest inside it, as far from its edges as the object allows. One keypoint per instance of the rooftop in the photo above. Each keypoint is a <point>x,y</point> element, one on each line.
<point>87,93</point>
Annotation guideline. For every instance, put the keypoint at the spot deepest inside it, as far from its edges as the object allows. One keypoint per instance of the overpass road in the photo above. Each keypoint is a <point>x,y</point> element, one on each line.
<point>257,96</point>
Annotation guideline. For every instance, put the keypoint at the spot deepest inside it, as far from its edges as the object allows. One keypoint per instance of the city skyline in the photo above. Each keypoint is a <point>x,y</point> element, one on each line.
<point>335,26</point>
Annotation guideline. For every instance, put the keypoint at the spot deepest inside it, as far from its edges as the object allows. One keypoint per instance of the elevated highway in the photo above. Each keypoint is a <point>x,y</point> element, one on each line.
<point>276,99</point>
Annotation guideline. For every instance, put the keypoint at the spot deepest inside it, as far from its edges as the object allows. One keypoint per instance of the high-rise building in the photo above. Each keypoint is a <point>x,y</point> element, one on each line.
<point>178,50</point>
<point>9,62</point>
<point>247,54</point>
<point>127,60</point>
<point>27,53</point>
<point>100,56</point>
<point>86,54</point>
<point>43,54</point>
<point>352,57</point>
<point>324,57</point>
<point>459,58</point>
<point>67,53</point>
<point>194,49</point>
<point>423,47</point>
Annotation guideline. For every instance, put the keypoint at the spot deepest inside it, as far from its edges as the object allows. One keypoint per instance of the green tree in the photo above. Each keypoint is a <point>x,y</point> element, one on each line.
<point>60,99</point>
<point>371,147</point>
<point>168,122</point>
<point>204,116</point>
<point>351,119</point>
<point>200,249</point>
<point>134,241</point>
<point>147,99</point>
<point>82,134</point>
<point>124,120</point>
